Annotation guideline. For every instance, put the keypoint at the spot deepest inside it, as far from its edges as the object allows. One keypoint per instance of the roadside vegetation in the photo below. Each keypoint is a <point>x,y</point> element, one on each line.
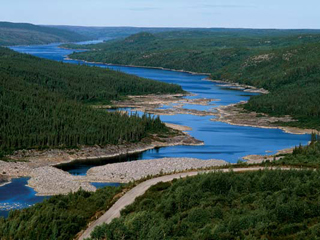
<point>302,156</point>
<point>253,205</point>
<point>46,104</point>
<point>59,217</point>
<point>283,62</point>
<point>275,204</point>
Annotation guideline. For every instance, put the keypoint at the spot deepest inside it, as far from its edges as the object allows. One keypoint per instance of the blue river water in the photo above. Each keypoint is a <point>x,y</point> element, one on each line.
<point>222,141</point>
<point>17,195</point>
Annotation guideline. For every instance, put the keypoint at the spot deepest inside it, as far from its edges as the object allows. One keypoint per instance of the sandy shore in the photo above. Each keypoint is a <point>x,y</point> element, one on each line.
<point>178,127</point>
<point>257,159</point>
<point>4,181</point>
<point>235,114</point>
<point>48,181</point>
<point>154,104</point>
<point>136,170</point>
<point>39,164</point>
<point>240,87</point>
<point>34,159</point>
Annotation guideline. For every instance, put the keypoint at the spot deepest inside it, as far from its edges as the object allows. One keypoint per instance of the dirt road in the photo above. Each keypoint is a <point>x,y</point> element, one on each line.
<point>139,190</point>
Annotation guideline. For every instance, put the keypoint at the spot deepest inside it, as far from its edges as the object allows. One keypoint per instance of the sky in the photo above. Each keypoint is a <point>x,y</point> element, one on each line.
<point>165,13</point>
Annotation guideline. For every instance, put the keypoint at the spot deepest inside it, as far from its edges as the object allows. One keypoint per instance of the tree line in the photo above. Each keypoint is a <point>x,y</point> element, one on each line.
<point>43,104</point>
<point>286,64</point>
<point>270,204</point>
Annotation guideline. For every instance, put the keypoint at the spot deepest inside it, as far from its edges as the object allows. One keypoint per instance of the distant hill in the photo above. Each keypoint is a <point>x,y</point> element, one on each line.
<point>285,62</point>
<point>123,32</point>
<point>140,37</point>
<point>25,34</point>
<point>111,32</point>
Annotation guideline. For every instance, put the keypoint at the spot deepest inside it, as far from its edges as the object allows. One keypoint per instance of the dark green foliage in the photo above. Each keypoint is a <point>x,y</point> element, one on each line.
<point>308,156</point>
<point>23,34</point>
<point>292,76</point>
<point>41,104</point>
<point>58,218</point>
<point>284,62</point>
<point>121,32</point>
<point>253,205</point>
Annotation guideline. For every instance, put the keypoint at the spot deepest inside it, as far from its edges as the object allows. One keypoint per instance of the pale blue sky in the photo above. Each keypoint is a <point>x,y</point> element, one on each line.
<point>165,13</point>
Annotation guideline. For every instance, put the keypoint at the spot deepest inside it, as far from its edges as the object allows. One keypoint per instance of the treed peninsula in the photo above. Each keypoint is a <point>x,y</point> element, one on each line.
<point>47,104</point>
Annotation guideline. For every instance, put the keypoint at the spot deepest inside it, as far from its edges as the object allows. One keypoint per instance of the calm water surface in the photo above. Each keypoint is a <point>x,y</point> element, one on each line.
<point>222,141</point>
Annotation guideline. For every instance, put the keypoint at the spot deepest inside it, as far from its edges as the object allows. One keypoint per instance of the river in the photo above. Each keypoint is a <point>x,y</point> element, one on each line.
<point>222,141</point>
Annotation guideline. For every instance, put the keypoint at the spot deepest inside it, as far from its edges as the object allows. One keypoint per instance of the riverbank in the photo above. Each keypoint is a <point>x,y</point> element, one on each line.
<point>235,114</point>
<point>136,170</point>
<point>35,163</point>
<point>258,159</point>
<point>232,85</point>
<point>22,162</point>
<point>163,104</point>
<point>48,181</point>
<point>135,66</point>
<point>238,86</point>
<point>4,181</point>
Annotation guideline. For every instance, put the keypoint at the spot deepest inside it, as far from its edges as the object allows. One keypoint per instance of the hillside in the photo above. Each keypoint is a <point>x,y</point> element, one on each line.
<point>282,61</point>
<point>60,217</point>
<point>44,104</point>
<point>253,205</point>
<point>110,32</point>
<point>27,34</point>
<point>276,204</point>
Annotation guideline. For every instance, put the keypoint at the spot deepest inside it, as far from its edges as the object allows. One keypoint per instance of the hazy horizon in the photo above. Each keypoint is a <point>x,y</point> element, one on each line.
<point>270,14</point>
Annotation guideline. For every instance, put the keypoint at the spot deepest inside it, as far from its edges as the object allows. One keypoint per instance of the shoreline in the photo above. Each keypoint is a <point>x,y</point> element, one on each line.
<point>5,183</point>
<point>50,181</point>
<point>234,114</point>
<point>247,88</point>
<point>46,160</point>
<point>125,172</point>
<point>239,86</point>
<point>33,159</point>
<point>67,58</point>
<point>154,104</point>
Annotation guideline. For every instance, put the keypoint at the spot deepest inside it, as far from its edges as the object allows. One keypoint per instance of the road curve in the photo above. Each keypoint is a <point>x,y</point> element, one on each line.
<point>140,189</point>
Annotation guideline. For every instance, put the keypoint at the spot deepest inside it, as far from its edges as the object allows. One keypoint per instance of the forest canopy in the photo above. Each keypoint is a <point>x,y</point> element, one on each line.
<point>284,62</point>
<point>269,204</point>
<point>25,34</point>
<point>45,104</point>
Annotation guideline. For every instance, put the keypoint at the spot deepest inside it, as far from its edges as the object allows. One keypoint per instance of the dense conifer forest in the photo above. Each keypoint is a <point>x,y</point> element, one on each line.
<point>254,205</point>
<point>303,156</point>
<point>276,204</point>
<point>24,34</point>
<point>45,104</point>
<point>283,62</point>
<point>59,218</point>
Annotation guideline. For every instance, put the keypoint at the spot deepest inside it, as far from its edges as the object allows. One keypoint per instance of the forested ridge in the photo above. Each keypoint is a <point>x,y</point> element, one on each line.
<point>43,104</point>
<point>25,33</point>
<point>253,205</point>
<point>283,62</point>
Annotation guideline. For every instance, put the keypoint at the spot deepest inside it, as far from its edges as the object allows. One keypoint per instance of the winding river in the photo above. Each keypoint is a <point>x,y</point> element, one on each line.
<point>222,141</point>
